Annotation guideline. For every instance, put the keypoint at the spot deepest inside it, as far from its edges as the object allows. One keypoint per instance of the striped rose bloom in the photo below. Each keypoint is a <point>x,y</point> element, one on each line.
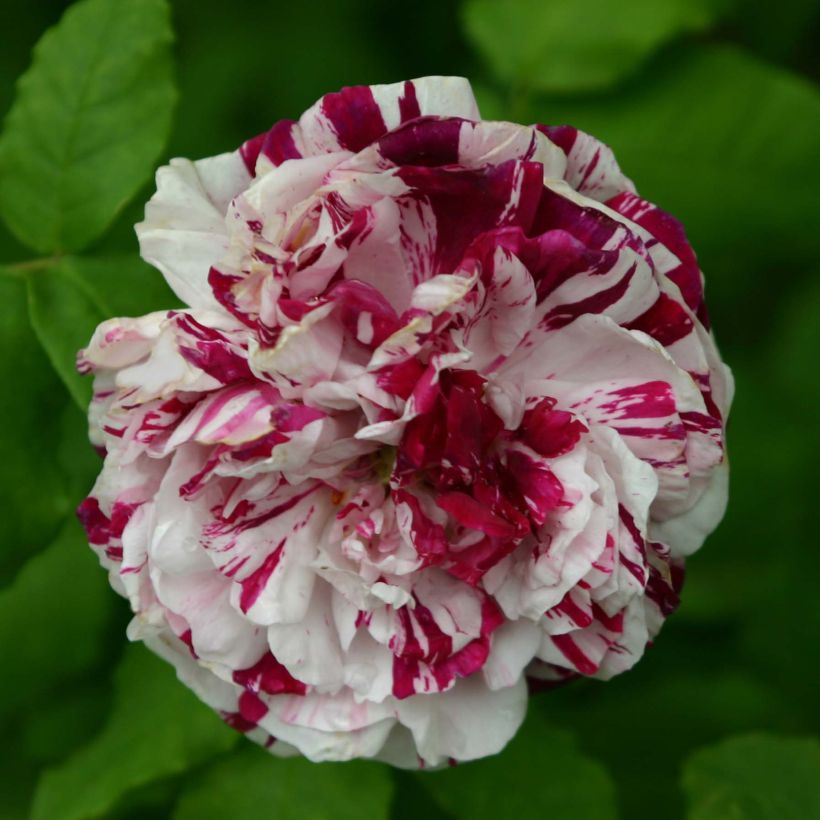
<point>442,416</point>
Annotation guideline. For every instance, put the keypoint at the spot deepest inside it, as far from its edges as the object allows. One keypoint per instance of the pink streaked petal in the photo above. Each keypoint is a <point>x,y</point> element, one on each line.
<point>507,312</point>
<point>232,416</point>
<point>541,490</point>
<point>666,230</point>
<point>265,549</point>
<point>366,314</point>
<point>467,202</point>
<point>356,116</point>
<point>591,166</point>
<point>218,633</point>
<point>117,343</point>
<point>470,513</point>
<point>304,354</point>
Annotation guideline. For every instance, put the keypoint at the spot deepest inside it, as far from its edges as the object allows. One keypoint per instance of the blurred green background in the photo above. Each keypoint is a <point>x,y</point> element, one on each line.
<point>713,110</point>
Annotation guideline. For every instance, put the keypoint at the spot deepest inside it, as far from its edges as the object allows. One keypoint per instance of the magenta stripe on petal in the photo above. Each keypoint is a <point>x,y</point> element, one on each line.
<point>278,144</point>
<point>253,585</point>
<point>354,116</point>
<point>574,654</point>
<point>408,103</point>
<point>426,141</point>
<point>269,676</point>
<point>249,151</point>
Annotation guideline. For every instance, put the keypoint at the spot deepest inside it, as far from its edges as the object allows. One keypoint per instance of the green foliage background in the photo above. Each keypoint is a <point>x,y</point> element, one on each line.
<point>712,108</point>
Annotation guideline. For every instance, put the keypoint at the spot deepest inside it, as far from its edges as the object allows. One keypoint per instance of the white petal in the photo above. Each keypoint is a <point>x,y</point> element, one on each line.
<point>184,232</point>
<point>441,96</point>
<point>514,646</point>
<point>467,722</point>
<point>686,533</point>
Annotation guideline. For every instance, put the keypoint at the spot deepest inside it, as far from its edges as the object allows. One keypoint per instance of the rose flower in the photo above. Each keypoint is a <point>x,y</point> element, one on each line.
<point>442,416</point>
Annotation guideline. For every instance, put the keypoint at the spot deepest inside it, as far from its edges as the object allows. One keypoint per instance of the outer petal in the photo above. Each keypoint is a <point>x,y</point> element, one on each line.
<point>356,116</point>
<point>591,166</point>
<point>468,722</point>
<point>184,229</point>
<point>686,533</point>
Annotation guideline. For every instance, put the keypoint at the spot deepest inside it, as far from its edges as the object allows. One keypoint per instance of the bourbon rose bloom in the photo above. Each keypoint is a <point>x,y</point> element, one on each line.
<point>442,414</point>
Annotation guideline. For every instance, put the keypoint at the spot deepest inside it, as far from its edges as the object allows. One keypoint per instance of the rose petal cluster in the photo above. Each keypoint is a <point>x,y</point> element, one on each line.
<point>440,420</point>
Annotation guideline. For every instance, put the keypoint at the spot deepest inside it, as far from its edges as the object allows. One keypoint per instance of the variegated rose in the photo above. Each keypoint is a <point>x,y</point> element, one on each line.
<point>442,415</point>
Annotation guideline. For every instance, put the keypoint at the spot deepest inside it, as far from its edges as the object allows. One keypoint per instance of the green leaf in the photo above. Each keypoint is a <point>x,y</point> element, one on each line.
<point>797,340</point>
<point>53,621</point>
<point>34,494</point>
<point>157,728</point>
<point>411,802</point>
<point>60,724</point>
<point>292,789</point>
<point>790,36</point>
<point>18,776</point>
<point>124,285</point>
<point>91,116</point>
<point>569,784</point>
<point>688,690</point>
<point>729,146</point>
<point>782,618</point>
<point>754,777</point>
<point>154,801</point>
<point>552,45</point>
<point>75,456</point>
<point>64,314</point>
<point>489,102</point>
